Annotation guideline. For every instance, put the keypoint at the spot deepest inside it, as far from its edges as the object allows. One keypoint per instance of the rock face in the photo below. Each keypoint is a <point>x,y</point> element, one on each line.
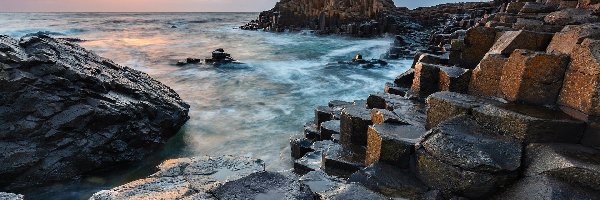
<point>66,111</point>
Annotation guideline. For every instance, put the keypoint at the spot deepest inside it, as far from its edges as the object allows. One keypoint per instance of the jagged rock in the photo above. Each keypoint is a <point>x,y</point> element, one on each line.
<point>565,41</point>
<point>350,191</point>
<point>540,188</point>
<point>570,17</point>
<point>530,123</point>
<point>391,88</point>
<point>426,81</point>
<point>265,185</point>
<point>67,112</point>
<point>445,105</point>
<point>11,196</point>
<point>185,178</point>
<point>329,129</point>
<point>460,157</point>
<point>354,123</point>
<point>405,79</point>
<point>392,143</point>
<point>454,79</point>
<point>300,146</point>
<point>390,181</point>
<point>485,79</point>
<point>533,77</point>
<point>323,114</point>
<point>511,40</point>
<point>570,163</point>
<point>581,90</point>
<point>478,40</point>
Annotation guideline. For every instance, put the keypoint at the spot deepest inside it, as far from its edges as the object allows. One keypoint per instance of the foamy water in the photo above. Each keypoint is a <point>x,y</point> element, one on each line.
<point>250,111</point>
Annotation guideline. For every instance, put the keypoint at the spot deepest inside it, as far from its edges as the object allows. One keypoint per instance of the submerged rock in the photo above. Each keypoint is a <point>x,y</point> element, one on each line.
<point>67,112</point>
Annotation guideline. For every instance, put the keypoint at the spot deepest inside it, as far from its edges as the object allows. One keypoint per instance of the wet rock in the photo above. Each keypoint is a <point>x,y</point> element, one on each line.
<point>511,40</point>
<point>460,157</point>
<point>384,101</point>
<point>478,41</point>
<point>445,105</point>
<point>265,185</point>
<point>580,90</point>
<point>533,77</point>
<point>426,81</point>
<point>338,105</point>
<point>405,79</point>
<point>185,178</point>
<point>342,161</point>
<point>329,129</point>
<point>392,143</point>
<point>540,187</point>
<point>76,112</point>
<point>354,123</point>
<point>219,57</point>
<point>188,61</point>
<point>320,182</point>
<point>312,161</point>
<point>300,146</point>
<point>485,79</point>
<point>390,181</point>
<point>530,123</point>
<point>311,131</point>
<point>350,191</point>
<point>454,79</point>
<point>323,114</point>
<point>412,112</point>
<point>432,59</point>
<point>569,163</point>
<point>380,116</point>
<point>391,88</point>
<point>10,196</point>
<point>565,41</point>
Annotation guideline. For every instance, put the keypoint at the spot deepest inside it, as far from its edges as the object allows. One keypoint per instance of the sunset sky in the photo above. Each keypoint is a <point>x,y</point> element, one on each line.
<point>161,5</point>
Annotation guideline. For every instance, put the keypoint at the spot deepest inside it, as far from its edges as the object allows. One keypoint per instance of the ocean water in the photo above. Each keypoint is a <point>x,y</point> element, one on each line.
<point>248,110</point>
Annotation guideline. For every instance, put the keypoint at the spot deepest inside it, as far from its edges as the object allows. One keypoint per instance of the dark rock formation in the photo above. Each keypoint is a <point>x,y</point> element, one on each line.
<point>66,112</point>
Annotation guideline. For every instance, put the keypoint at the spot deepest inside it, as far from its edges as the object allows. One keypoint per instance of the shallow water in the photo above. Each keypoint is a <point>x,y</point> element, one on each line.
<point>249,111</point>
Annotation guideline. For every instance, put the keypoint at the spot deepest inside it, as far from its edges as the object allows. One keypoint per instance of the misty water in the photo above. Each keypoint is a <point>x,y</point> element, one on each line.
<point>247,111</point>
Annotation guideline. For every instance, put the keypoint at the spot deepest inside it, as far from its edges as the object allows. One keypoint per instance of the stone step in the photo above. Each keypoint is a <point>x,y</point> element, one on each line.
<point>485,79</point>
<point>530,124</point>
<point>460,157</point>
<point>300,145</point>
<point>325,113</point>
<point>442,106</point>
<point>390,181</point>
<point>384,100</point>
<point>391,88</point>
<point>343,161</point>
<point>312,160</point>
<point>320,182</point>
<point>393,144</point>
<point>354,122</point>
<point>454,79</point>
<point>569,163</point>
<point>311,131</point>
<point>265,185</point>
<point>330,130</point>
<point>512,40</point>
<point>405,79</point>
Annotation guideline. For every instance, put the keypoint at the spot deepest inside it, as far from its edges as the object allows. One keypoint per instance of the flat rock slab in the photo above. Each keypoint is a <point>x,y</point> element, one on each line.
<point>390,181</point>
<point>530,124</point>
<point>461,157</point>
<point>265,185</point>
<point>185,178</point>
<point>380,116</point>
<point>541,188</point>
<point>343,161</point>
<point>567,162</point>
<point>354,122</point>
<point>393,143</point>
<point>329,129</point>
<point>512,40</point>
<point>384,101</point>
<point>350,191</point>
<point>442,106</point>
<point>80,112</point>
<point>391,88</point>
<point>319,181</point>
<point>412,112</point>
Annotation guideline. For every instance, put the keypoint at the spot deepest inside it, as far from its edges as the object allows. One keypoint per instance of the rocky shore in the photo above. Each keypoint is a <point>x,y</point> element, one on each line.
<point>500,103</point>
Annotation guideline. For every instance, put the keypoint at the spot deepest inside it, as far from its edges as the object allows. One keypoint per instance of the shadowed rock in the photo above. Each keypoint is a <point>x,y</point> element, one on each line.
<point>540,188</point>
<point>445,105</point>
<point>405,79</point>
<point>10,196</point>
<point>478,41</point>
<point>350,191</point>
<point>454,79</point>
<point>329,129</point>
<point>530,123</point>
<point>67,112</point>
<point>300,146</point>
<point>265,185</point>
<point>342,161</point>
<point>426,81</point>
<point>390,181</point>
<point>391,88</point>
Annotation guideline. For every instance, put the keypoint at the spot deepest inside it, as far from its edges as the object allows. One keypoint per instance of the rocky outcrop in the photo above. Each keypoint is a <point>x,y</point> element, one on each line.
<point>68,112</point>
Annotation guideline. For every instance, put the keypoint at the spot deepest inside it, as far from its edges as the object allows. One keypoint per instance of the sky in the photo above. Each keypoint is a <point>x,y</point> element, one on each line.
<point>163,5</point>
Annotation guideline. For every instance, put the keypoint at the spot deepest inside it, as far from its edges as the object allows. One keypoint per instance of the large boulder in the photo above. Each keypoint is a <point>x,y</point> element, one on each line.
<point>530,123</point>
<point>581,88</point>
<point>192,178</point>
<point>454,79</point>
<point>442,106</point>
<point>354,122</point>
<point>460,157</point>
<point>426,81</point>
<point>67,112</point>
<point>533,77</point>
<point>392,143</point>
<point>478,40</point>
<point>565,41</point>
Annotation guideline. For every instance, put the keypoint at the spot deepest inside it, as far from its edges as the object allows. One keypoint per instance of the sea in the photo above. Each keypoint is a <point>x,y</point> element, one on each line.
<point>246,110</point>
